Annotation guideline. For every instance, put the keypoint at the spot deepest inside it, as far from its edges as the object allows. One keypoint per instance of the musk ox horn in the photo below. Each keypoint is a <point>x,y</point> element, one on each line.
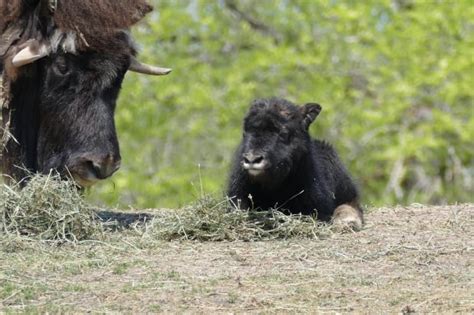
<point>33,51</point>
<point>137,66</point>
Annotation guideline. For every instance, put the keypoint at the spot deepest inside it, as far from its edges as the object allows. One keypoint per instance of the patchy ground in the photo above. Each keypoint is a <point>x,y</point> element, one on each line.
<point>407,259</point>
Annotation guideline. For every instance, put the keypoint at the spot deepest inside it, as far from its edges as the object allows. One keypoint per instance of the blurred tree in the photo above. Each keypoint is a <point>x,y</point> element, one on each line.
<point>395,79</point>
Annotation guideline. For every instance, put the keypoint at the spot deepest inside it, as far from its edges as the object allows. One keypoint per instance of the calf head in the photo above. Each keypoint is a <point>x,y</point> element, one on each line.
<point>275,138</point>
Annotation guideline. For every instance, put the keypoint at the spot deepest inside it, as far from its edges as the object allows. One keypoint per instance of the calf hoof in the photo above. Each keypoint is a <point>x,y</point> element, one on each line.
<point>346,217</point>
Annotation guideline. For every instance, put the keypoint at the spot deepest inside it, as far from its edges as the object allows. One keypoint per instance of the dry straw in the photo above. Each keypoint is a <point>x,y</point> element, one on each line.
<point>212,220</point>
<point>47,208</point>
<point>51,209</point>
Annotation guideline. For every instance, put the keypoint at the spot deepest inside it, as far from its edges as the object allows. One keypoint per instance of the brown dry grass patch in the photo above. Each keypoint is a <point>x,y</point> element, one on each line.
<point>406,259</point>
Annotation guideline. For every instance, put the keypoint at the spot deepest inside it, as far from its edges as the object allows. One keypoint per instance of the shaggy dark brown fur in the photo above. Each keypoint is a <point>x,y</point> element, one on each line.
<point>10,10</point>
<point>86,15</point>
<point>98,20</point>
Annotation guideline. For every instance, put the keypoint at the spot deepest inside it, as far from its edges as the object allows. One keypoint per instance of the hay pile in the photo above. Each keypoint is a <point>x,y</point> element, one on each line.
<point>48,208</point>
<point>52,209</point>
<point>212,220</point>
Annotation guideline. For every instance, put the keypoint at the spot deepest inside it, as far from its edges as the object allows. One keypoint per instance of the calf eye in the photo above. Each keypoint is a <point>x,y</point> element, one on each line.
<point>285,135</point>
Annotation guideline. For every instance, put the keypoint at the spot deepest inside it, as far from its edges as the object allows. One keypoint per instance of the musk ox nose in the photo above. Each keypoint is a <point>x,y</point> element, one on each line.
<point>103,168</point>
<point>88,169</point>
<point>253,161</point>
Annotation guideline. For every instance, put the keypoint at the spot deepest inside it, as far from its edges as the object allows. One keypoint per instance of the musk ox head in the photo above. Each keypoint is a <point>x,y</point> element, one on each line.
<point>64,62</point>
<point>274,139</point>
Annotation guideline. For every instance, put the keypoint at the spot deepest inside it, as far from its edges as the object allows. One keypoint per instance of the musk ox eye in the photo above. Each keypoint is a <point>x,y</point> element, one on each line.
<point>60,66</point>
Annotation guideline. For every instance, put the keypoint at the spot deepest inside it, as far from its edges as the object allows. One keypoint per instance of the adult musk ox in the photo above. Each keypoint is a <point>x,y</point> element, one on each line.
<point>63,66</point>
<point>278,165</point>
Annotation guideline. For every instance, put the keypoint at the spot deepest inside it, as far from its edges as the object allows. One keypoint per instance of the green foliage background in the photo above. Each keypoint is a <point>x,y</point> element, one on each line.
<point>395,79</point>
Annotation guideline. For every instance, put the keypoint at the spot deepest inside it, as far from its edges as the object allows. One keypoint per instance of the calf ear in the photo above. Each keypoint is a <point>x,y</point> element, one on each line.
<point>310,111</point>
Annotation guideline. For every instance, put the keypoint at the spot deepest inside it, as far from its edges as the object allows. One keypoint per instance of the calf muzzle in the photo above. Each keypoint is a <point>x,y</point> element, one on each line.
<point>253,163</point>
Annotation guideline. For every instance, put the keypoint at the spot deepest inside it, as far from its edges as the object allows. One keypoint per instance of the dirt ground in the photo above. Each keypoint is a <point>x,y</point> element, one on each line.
<point>405,260</point>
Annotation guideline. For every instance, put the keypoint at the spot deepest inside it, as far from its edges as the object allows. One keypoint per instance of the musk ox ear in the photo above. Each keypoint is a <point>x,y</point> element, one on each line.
<point>32,51</point>
<point>310,111</point>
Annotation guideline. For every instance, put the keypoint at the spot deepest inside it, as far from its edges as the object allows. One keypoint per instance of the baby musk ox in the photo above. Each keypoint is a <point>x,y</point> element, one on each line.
<point>278,165</point>
<point>63,64</point>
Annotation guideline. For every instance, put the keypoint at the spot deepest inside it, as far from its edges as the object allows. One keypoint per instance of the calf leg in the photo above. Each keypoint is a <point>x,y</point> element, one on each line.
<point>348,216</point>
